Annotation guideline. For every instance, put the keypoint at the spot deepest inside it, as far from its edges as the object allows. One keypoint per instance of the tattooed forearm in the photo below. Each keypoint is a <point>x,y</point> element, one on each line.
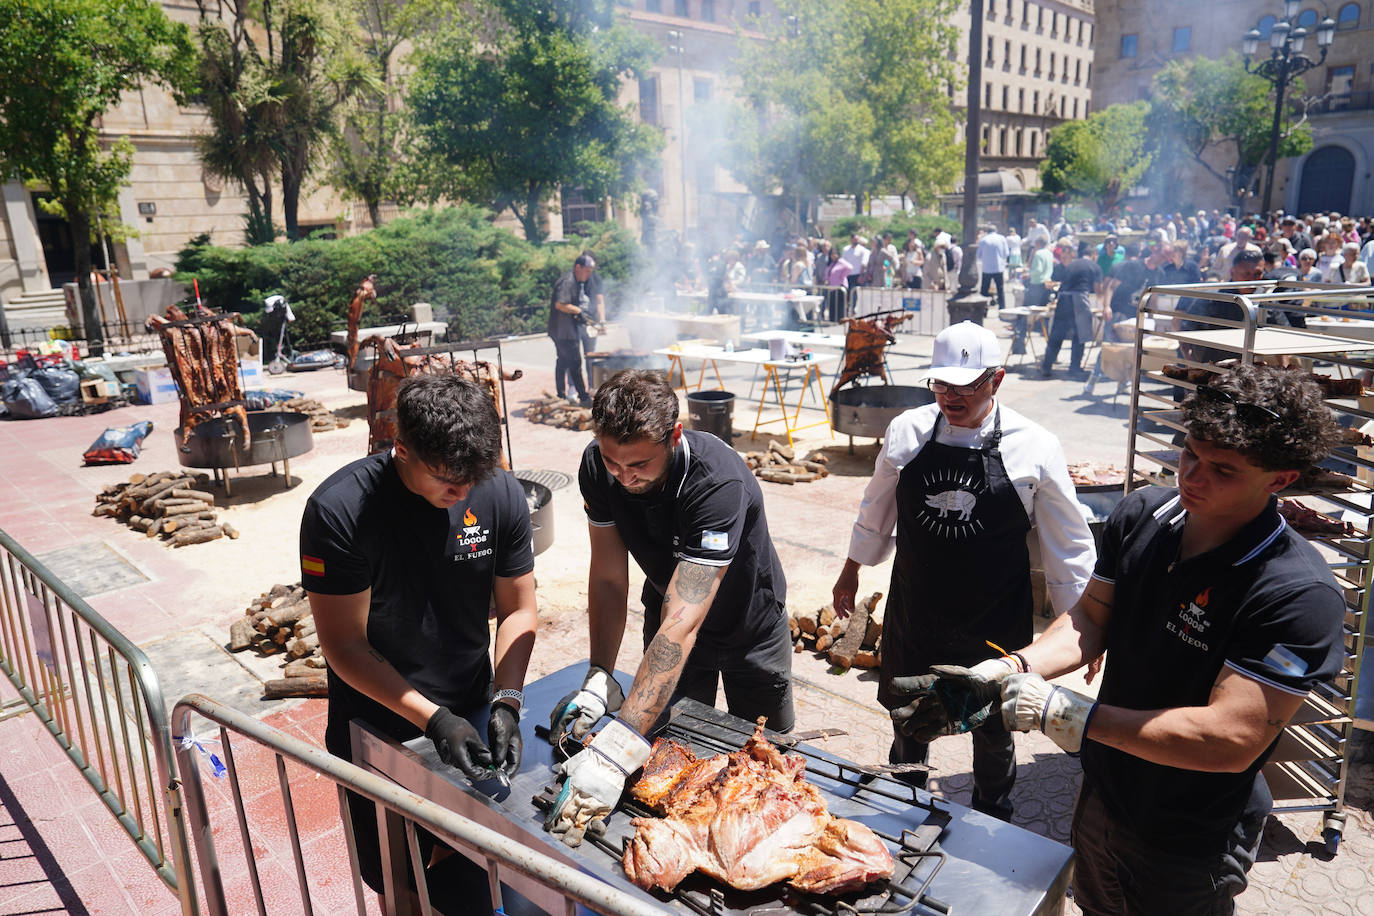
<point>692,581</point>
<point>663,655</point>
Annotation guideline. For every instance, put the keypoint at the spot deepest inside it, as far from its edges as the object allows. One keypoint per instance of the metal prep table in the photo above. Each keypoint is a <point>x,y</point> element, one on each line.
<point>988,867</point>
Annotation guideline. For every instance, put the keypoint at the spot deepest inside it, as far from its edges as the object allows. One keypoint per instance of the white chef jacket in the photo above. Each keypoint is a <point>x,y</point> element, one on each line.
<point>1035,464</point>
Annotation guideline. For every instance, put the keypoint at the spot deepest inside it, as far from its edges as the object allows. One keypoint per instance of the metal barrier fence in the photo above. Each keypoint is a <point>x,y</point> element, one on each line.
<point>926,310</point>
<point>499,852</point>
<point>118,336</point>
<point>98,696</point>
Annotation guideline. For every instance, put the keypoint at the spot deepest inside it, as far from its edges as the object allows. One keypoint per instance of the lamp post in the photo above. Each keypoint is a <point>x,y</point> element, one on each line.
<point>967,302</point>
<point>676,47</point>
<point>1286,62</point>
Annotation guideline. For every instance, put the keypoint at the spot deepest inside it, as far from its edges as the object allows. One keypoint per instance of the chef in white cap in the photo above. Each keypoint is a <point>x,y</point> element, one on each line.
<point>957,488</point>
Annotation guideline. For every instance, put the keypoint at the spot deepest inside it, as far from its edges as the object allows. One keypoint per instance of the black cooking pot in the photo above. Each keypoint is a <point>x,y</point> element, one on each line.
<point>867,410</point>
<point>601,368</point>
<point>540,500</point>
<point>218,443</point>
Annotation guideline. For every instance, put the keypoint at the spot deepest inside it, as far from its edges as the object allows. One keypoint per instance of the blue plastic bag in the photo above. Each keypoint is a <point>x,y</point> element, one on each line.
<point>118,444</point>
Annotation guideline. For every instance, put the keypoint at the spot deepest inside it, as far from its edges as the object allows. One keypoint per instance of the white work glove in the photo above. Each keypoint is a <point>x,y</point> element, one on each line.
<point>594,780</point>
<point>1029,702</point>
<point>578,712</point>
<point>950,700</point>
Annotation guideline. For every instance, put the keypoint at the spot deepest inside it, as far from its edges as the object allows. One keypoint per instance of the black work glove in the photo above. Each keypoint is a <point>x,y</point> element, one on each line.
<point>503,737</point>
<point>458,744</point>
<point>950,700</point>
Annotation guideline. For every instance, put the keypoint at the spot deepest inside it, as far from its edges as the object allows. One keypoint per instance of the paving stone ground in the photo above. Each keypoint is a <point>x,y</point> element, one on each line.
<point>60,851</point>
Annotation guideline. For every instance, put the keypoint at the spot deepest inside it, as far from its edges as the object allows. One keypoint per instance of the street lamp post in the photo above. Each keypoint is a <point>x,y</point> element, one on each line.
<point>676,47</point>
<point>967,302</point>
<point>1286,62</point>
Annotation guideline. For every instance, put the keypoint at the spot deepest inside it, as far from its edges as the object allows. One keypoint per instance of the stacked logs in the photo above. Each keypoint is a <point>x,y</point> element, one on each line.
<point>167,503</point>
<point>552,410</point>
<point>779,464</point>
<point>848,642</point>
<point>279,622</point>
<point>321,417</point>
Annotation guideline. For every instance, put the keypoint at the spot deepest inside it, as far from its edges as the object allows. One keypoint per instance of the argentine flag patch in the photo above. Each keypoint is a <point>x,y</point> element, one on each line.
<point>1285,661</point>
<point>715,540</point>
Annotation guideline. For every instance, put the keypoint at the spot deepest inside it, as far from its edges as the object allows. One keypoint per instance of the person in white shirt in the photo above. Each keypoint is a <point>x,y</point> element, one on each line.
<point>1348,269</point>
<point>855,254</point>
<point>992,259</point>
<point>962,483</point>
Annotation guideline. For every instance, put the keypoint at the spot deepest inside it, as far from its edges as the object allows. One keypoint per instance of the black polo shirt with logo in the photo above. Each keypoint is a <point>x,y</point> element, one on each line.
<point>430,572</point>
<point>709,511</point>
<point>1264,604</point>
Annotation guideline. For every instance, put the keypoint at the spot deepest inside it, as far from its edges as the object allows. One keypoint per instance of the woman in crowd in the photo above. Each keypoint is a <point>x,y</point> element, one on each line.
<point>1349,269</point>
<point>1307,266</point>
<point>933,274</point>
<point>837,279</point>
<point>913,263</point>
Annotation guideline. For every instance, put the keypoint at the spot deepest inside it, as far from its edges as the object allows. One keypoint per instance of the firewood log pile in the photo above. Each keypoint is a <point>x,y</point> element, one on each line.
<point>552,410</point>
<point>321,417</point>
<point>167,503</point>
<point>779,464</point>
<point>848,642</point>
<point>279,622</point>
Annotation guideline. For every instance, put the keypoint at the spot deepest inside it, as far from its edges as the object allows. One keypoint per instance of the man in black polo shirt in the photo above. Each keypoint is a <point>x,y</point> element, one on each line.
<point>402,553</point>
<point>574,296</point>
<point>1217,619</point>
<point>687,508</point>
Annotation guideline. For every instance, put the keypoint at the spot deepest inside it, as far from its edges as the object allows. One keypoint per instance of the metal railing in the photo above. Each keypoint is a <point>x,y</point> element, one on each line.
<point>500,852</point>
<point>98,696</point>
<point>118,336</point>
<point>925,310</point>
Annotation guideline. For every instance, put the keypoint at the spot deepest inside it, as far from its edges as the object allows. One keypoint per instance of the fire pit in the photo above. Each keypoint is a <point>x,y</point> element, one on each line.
<point>949,859</point>
<point>540,499</point>
<point>275,436</point>
<point>601,366</point>
<point>867,410</point>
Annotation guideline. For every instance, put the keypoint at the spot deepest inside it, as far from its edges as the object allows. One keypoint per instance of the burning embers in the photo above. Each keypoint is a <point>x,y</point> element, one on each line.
<point>748,819</point>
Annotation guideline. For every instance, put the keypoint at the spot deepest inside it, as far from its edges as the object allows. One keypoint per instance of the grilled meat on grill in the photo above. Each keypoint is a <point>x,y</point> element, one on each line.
<point>747,819</point>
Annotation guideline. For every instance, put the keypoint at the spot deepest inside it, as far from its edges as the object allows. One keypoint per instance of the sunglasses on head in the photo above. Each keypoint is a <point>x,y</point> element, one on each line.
<point>962,391</point>
<point>1253,414</point>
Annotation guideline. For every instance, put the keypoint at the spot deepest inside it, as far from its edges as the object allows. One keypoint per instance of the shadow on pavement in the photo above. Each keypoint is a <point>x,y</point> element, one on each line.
<point>30,839</point>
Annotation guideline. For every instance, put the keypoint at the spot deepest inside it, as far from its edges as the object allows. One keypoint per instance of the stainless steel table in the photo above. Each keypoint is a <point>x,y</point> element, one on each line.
<point>990,867</point>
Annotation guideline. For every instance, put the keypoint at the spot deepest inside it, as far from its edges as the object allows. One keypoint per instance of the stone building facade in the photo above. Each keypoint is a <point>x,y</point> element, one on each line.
<point>1136,40</point>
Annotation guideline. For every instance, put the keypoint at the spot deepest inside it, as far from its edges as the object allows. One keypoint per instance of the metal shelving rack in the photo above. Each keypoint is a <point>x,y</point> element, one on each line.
<point>1308,769</point>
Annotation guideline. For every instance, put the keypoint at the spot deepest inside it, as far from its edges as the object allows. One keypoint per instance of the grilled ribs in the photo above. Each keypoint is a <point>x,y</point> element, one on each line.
<point>747,819</point>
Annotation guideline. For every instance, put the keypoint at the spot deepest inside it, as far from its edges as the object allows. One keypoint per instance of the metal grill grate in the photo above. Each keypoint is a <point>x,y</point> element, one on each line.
<point>554,480</point>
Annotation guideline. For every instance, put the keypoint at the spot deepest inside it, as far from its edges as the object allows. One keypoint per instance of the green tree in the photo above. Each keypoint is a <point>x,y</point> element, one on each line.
<point>273,77</point>
<point>368,157</point>
<point>64,64</point>
<point>1221,117</point>
<point>850,98</point>
<point>1099,159</point>
<point>513,104</point>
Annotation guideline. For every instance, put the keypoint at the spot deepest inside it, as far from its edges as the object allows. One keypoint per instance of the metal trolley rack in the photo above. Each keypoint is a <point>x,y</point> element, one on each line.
<point>1309,767</point>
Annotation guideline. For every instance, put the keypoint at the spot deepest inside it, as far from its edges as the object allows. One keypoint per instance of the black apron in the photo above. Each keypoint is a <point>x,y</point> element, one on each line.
<point>961,576</point>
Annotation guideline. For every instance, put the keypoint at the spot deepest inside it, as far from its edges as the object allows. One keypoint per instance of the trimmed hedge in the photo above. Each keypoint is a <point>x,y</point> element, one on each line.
<point>483,280</point>
<point>925,225</point>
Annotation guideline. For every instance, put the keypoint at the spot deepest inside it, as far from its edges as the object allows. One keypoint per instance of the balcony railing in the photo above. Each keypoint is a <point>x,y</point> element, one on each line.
<point>1343,101</point>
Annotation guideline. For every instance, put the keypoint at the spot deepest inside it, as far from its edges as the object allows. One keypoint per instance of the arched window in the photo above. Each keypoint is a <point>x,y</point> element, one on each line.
<point>1308,19</point>
<point>1348,17</point>
<point>1265,26</point>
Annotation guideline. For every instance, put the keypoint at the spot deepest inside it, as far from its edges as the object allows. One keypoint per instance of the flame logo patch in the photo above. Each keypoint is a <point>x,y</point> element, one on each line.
<point>469,518</point>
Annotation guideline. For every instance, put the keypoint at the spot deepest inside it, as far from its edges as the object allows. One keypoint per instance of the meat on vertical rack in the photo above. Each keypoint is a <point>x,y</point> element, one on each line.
<point>203,359</point>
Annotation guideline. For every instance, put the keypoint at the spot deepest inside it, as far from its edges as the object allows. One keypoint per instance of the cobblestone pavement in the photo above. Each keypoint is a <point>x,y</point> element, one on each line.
<point>61,852</point>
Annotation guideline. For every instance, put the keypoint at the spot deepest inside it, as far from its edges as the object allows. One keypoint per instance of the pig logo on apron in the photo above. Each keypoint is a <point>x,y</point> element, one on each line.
<point>950,512</point>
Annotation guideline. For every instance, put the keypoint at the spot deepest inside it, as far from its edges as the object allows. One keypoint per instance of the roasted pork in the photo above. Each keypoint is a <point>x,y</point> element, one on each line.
<point>747,819</point>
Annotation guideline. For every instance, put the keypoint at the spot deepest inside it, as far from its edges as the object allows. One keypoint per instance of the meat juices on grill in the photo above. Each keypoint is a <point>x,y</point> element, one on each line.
<point>747,819</point>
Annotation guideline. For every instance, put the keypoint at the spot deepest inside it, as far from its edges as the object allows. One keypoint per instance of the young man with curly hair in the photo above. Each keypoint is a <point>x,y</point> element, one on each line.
<point>1217,619</point>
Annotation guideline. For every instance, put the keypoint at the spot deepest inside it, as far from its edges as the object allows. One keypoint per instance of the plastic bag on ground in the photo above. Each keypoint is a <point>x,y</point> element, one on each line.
<point>118,444</point>
<point>25,399</point>
<point>62,384</point>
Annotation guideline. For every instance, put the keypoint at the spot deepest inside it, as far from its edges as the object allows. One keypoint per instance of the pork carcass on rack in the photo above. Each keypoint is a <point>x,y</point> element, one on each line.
<point>748,819</point>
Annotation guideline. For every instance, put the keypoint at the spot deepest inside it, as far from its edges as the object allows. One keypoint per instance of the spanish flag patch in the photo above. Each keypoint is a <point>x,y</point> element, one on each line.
<point>312,565</point>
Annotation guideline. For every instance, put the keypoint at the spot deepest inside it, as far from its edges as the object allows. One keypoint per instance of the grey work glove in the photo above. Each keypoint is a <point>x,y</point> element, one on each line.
<point>1031,703</point>
<point>593,781</point>
<point>503,737</point>
<point>578,712</point>
<point>458,744</point>
<point>951,699</point>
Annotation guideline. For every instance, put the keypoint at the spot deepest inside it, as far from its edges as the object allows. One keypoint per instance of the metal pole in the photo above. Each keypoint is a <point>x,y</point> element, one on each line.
<point>1280,84</point>
<point>973,132</point>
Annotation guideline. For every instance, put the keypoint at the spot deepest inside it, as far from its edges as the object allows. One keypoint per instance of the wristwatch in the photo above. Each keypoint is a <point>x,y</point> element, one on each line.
<point>512,698</point>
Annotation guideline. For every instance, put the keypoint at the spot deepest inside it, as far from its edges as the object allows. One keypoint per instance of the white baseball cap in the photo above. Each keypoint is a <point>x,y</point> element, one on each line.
<point>963,352</point>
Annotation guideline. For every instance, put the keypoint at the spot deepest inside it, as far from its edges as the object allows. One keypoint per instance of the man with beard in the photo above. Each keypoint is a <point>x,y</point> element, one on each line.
<point>690,512</point>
